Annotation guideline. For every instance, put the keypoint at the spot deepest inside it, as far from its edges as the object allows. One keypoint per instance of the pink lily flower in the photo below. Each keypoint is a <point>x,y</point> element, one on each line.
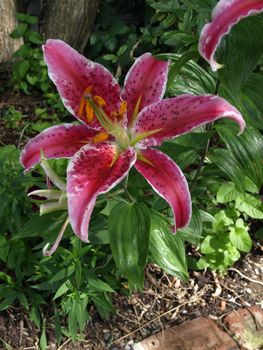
<point>225,15</point>
<point>118,130</point>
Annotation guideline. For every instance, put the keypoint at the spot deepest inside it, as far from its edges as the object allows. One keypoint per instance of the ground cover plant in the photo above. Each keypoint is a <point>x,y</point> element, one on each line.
<point>135,164</point>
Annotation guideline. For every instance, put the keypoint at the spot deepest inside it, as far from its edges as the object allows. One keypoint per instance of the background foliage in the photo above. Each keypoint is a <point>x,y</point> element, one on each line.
<point>224,171</point>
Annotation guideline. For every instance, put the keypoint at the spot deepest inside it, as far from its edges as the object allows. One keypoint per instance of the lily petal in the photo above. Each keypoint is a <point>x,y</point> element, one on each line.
<point>146,80</point>
<point>225,15</point>
<point>175,116</point>
<point>59,141</point>
<point>168,181</point>
<point>73,73</point>
<point>92,171</point>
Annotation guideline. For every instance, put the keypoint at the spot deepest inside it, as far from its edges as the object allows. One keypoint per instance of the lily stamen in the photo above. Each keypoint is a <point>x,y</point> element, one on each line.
<point>49,252</point>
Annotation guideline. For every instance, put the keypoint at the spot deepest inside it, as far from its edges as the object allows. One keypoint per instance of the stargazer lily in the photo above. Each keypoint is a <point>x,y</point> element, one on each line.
<point>119,130</point>
<point>225,15</point>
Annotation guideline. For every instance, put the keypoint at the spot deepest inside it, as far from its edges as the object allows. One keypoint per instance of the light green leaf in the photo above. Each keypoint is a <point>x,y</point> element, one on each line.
<point>252,206</point>
<point>239,237</point>
<point>227,193</point>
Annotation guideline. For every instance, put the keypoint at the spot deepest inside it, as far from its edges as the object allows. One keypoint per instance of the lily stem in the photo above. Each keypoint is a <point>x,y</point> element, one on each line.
<point>202,160</point>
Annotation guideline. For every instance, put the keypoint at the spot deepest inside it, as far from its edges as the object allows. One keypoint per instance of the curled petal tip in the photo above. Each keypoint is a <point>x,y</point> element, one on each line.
<point>225,15</point>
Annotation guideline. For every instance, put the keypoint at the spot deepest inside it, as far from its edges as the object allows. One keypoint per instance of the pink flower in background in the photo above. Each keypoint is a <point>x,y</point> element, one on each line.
<point>119,130</point>
<point>225,15</point>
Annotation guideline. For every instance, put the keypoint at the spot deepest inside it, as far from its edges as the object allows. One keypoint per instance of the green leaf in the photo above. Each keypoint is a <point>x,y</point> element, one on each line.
<point>239,237</point>
<point>23,67</point>
<point>43,338</point>
<point>246,152</point>
<point>252,206</point>
<point>94,283</point>
<point>129,228</point>
<point>122,50</point>
<point>192,233</point>
<point>34,38</point>
<point>4,244</point>
<point>35,315</point>
<point>240,52</point>
<point>61,274</point>
<point>251,105</point>
<point>19,31</point>
<point>103,305</point>
<point>72,321</point>
<point>165,248</point>
<point>227,193</point>
<point>61,290</point>
<point>32,79</point>
<point>186,76</point>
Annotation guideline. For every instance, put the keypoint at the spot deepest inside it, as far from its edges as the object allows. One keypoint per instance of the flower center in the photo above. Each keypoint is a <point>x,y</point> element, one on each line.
<point>91,105</point>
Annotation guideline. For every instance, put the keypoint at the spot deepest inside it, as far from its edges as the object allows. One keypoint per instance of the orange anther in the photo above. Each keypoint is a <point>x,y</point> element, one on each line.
<point>81,107</point>
<point>100,137</point>
<point>99,100</point>
<point>89,112</point>
<point>123,108</point>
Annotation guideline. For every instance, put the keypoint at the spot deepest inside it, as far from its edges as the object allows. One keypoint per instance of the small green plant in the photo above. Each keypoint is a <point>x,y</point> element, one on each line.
<point>29,70</point>
<point>12,118</point>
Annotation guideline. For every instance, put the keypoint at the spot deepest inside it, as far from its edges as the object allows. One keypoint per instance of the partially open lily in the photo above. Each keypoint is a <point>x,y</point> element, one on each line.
<point>225,15</point>
<point>118,130</point>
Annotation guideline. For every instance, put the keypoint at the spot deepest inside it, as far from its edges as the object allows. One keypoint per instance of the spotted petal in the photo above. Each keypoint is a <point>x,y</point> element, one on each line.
<point>60,141</point>
<point>145,80</point>
<point>225,15</point>
<point>72,73</point>
<point>168,181</point>
<point>92,171</point>
<point>175,116</point>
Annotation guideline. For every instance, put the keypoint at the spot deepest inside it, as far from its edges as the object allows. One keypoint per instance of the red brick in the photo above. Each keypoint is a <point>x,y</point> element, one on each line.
<point>198,334</point>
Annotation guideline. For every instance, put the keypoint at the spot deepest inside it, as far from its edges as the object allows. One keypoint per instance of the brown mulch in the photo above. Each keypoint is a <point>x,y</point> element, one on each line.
<point>165,302</point>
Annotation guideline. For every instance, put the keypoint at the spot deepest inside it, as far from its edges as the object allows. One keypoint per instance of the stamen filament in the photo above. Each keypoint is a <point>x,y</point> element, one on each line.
<point>136,110</point>
<point>49,252</point>
<point>143,135</point>
<point>51,173</point>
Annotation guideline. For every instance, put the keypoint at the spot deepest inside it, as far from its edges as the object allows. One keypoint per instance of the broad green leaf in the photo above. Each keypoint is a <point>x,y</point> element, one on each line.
<point>192,233</point>
<point>252,206</point>
<point>239,237</point>
<point>251,105</point>
<point>167,249</point>
<point>222,220</point>
<point>129,228</point>
<point>227,193</point>
<point>240,52</point>
<point>214,243</point>
<point>246,152</point>
<point>186,76</point>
